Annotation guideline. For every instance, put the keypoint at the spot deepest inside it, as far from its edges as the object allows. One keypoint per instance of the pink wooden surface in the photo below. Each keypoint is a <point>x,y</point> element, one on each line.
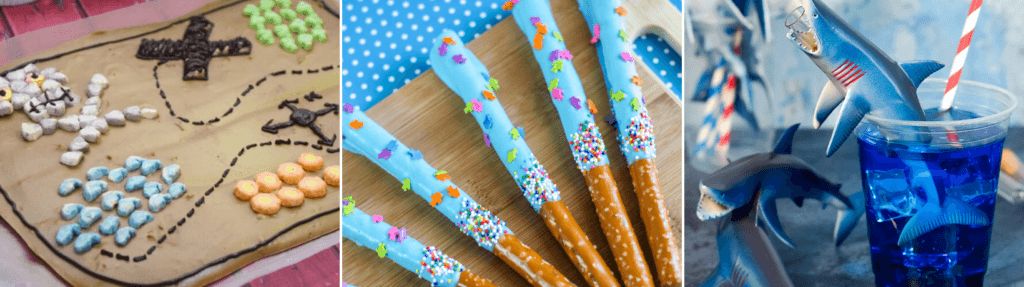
<point>25,18</point>
<point>96,7</point>
<point>319,270</point>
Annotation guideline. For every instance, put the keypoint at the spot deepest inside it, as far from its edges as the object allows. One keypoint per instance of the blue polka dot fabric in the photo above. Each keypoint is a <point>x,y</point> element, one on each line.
<point>385,43</point>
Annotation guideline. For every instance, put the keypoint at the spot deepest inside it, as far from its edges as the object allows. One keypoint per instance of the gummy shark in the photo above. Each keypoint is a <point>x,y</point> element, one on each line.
<point>865,79</point>
<point>760,179</point>
<point>858,72</point>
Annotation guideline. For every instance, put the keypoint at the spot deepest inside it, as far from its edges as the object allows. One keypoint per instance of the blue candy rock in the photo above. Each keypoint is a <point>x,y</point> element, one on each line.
<point>125,206</point>
<point>134,183</point>
<point>139,218</point>
<point>150,166</point>
<point>108,201</point>
<point>93,189</point>
<point>124,235</point>
<point>97,173</point>
<point>88,216</point>
<point>70,210</point>
<point>133,163</point>
<point>86,241</point>
<point>117,175</point>
<point>152,188</point>
<point>68,186</point>
<point>158,201</point>
<point>109,225</point>
<point>67,232</point>
<point>171,173</point>
<point>176,190</point>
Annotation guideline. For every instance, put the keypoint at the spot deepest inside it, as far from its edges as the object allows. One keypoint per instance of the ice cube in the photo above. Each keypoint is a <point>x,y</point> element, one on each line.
<point>891,194</point>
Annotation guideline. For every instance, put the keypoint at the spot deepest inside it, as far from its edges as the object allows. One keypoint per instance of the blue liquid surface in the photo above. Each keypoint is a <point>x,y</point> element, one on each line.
<point>951,255</point>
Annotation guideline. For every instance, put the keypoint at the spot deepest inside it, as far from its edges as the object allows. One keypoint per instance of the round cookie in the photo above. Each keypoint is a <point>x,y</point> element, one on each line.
<point>268,182</point>
<point>265,203</point>
<point>290,172</point>
<point>313,187</point>
<point>311,162</point>
<point>332,175</point>
<point>246,189</point>
<point>290,197</point>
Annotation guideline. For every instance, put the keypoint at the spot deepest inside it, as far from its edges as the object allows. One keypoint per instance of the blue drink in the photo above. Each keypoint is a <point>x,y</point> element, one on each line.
<point>929,199</point>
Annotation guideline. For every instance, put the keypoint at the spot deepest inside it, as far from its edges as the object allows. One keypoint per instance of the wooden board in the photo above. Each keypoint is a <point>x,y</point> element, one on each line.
<point>426,115</point>
<point>222,226</point>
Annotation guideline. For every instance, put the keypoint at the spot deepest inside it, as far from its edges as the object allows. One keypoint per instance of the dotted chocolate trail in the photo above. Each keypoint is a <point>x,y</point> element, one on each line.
<point>238,100</point>
<point>201,200</point>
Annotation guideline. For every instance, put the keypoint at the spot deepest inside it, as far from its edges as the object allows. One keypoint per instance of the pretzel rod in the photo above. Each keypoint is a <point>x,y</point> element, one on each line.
<point>636,133</point>
<point>365,137</point>
<point>427,262</point>
<point>535,21</point>
<point>470,80</point>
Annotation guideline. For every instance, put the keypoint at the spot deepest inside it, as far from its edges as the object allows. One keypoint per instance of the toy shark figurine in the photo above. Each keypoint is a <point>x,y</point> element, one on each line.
<point>858,72</point>
<point>747,188</point>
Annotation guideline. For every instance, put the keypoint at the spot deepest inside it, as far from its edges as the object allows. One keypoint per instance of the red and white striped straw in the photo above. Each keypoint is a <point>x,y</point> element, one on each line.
<point>725,125</point>
<point>961,56</point>
<point>958,65</point>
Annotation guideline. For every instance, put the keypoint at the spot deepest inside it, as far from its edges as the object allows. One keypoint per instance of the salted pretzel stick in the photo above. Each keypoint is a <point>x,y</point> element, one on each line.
<point>535,21</point>
<point>468,78</point>
<point>365,137</point>
<point>388,241</point>
<point>636,133</point>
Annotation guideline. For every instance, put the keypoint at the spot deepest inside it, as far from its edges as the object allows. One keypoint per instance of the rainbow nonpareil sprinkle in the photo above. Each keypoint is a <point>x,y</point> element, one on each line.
<point>479,223</point>
<point>639,136</point>
<point>587,146</point>
<point>536,185</point>
<point>438,264</point>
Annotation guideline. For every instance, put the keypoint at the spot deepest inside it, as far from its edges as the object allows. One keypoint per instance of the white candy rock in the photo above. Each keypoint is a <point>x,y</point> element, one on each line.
<point>133,113</point>
<point>18,100</point>
<point>4,83</point>
<point>115,118</point>
<point>31,131</point>
<point>90,110</point>
<point>69,123</point>
<point>18,85</point>
<point>16,76</point>
<point>32,89</point>
<point>30,68</point>
<point>73,101</point>
<point>94,90</point>
<point>71,158</point>
<point>37,115</point>
<point>98,79</point>
<point>50,85</point>
<point>85,120</point>
<point>78,144</point>
<point>6,108</point>
<point>48,71</point>
<point>94,101</point>
<point>59,77</point>
<point>49,125</point>
<point>100,125</point>
<point>90,134</point>
<point>52,95</point>
<point>56,109</point>
<point>150,113</point>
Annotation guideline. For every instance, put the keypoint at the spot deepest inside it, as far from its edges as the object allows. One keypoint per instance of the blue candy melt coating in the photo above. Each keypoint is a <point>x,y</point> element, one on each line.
<point>150,166</point>
<point>152,188</point>
<point>88,216</point>
<point>68,186</point>
<point>109,225</point>
<point>171,173</point>
<point>118,175</point>
<point>108,201</point>
<point>70,210</point>
<point>134,183</point>
<point>86,241</point>
<point>124,235</point>
<point>176,190</point>
<point>93,189</point>
<point>158,202</point>
<point>133,163</point>
<point>67,232</point>
<point>139,218</point>
<point>125,206</point>
<point>96,173</point>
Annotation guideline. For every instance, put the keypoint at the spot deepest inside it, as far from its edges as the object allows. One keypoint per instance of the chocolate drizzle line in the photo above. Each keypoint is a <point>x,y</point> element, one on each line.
<point>126,258</point>
<point>238,101</point>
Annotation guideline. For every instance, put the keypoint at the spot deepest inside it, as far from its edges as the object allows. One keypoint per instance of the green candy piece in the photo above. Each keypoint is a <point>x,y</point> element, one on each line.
<point>304,8</point>
<point>288,44</point>
<point>281,30</point>
<point>305,41</point>
<point>284,3</point>
<point>287,14</point>
<point>256,22</point>
<point>250,10</point>
<point>298,26</point>
<point>319,35</point>
<point>265,37</point>
<point>272,18</point>
<point>267,5</point>
<point>314,21</point>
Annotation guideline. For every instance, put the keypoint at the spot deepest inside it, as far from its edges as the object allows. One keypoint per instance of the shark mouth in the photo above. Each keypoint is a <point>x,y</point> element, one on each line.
<point>801,33</point>
<point>708,208</point>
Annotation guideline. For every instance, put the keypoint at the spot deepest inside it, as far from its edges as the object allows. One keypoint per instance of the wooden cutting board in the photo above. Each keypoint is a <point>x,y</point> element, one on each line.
<point>426,115</point>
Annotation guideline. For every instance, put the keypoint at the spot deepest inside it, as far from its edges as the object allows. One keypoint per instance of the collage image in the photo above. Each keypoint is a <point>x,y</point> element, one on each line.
<point>474,143</point>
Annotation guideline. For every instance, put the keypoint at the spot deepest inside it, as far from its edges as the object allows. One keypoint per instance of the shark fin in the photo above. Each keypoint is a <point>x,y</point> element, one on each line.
<point>762,9</point>
<point>931,217</point>
<point>830,98</point>
<point>850,114</point>
<point>769,213</point>
<point>919,70</point>
<point>847,219</point>
<point>785,145</point>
